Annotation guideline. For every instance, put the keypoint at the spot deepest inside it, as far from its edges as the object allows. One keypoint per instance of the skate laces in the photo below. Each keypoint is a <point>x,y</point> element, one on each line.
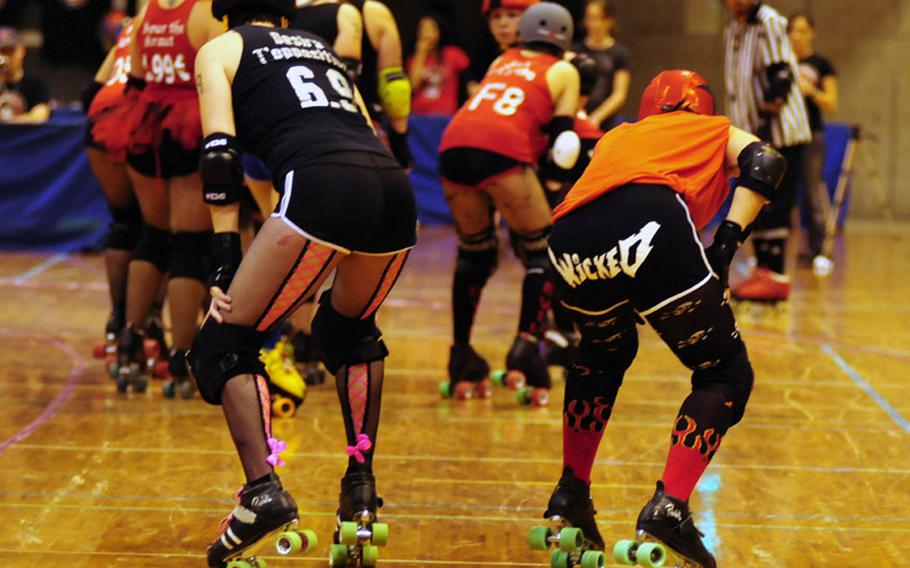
<point>276,446</point>
<point>226,521</point>
<point>356,451</point>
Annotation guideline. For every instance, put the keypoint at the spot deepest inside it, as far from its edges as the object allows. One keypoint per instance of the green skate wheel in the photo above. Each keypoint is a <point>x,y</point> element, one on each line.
<point>624,552</point>
<point>338,555</point>
<point>310,541</point>
<point>593,559</point>
<point>560,559</point>
<point>571,539</point>
<point>499,377</point>
<point>347,533</point>
<point>444,389</point>
<point>651,555</point>
<point>239,564</point>
<point>288,542</point>
<point>369,555</point>
<point>538,538</point>
<point>524,395</point>
<point>380,534</point>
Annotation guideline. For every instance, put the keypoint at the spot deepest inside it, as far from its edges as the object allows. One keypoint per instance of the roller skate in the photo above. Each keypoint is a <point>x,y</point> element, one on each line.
<point>526,371</point>
<point>265,513</point>
<point>305,353</point>
<point>764,291</point>
<point>286,386</point>
<point>468,375</point>
<point>108,349</point>
<point>155,346</point>
<point>132,370</point>
<point>357,534</point>
<point>180,381</point>
<point>665,536</point>
<point>572,531</point>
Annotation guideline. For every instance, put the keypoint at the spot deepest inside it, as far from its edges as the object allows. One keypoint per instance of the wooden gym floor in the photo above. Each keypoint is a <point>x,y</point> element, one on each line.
<point>816,474</point>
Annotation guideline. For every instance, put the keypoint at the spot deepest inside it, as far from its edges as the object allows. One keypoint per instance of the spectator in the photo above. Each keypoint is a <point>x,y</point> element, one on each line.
<point>818,83</point>
<point>23,98</point>
<point>612,87</point>
<point>435,70</point>
<point>763,98</point>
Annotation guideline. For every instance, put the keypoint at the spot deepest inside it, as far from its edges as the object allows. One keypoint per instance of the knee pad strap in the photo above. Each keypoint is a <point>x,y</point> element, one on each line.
<point>189,252</point>
<point>154,246</point>
<point>531,249</point>
<point>346,341</point>
<point>220,353</point>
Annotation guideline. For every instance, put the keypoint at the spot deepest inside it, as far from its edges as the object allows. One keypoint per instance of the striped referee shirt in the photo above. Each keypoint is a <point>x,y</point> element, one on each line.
<point>749,48</point>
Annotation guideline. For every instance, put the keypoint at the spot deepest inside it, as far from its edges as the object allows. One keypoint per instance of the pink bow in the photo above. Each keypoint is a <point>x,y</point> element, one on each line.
<point>363,444</point>
<point>276,446</point>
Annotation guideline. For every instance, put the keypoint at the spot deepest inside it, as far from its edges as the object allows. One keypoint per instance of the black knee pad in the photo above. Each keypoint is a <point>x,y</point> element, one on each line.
<point>731,375</point>
<point>592,383</point>
<point>346,341</point>
<point>478,256</point>
<point>125,229</point>
<point>189,255</point>
<point>531,249</point>
<point>154,246</point>
<point>221,352</point>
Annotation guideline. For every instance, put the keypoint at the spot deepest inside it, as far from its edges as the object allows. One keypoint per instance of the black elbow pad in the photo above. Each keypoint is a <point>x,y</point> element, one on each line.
<point>761,169</point>
<point>221,169</point>
<point>780,79</point>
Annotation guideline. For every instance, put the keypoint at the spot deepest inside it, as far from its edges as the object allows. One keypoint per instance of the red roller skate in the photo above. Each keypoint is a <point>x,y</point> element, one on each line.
<point>469,375</point>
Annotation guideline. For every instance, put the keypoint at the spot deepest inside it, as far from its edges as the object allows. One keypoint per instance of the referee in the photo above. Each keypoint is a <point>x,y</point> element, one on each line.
<point>763,98</point>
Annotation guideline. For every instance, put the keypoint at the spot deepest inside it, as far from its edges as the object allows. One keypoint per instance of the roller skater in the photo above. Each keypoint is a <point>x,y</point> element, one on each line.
<point>487,159</point>
<point>346,207</point>
<point>626,249</point>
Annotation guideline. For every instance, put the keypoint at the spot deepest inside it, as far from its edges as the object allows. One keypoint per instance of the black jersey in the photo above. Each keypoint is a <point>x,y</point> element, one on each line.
<point>293,100</point>
<point>321,20</point>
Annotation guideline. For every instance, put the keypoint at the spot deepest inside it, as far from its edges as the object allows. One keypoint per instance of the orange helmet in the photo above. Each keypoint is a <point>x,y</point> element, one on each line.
<point>678,89</point>
<point>490,5</point>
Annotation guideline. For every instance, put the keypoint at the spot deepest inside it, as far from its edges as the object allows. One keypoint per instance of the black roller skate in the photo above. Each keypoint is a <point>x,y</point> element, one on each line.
<point>665,536</point>
<point>468,375</point>
<point>526,371</point>
<point>572,531</point>
<point>180,381</point>
<point>264,511</point>
<point>306,354</point>
<point>108,349</point>
<point>357,534</point>
<point>132,371</point>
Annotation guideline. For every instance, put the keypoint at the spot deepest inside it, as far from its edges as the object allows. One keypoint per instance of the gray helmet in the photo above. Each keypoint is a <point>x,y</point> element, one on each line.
<point>547,23</point>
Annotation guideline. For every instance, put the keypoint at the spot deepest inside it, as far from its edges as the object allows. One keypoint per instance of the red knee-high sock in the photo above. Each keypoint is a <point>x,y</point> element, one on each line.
<point>583,425</point>
<point>700,427</point>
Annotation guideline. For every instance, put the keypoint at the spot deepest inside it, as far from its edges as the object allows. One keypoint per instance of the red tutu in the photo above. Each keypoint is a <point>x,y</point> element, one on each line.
<point>157,110</point>
<point>106,116</point>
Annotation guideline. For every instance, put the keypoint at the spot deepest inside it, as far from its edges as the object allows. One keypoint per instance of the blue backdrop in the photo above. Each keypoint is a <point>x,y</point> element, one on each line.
<point>50,200</point>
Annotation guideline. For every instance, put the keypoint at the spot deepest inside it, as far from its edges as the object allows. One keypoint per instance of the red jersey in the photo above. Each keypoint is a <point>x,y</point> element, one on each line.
<point>439,92</point>
<point>510,110</point>
<point>681,150</point>
<point>167,54</point>
<point>112,91</point>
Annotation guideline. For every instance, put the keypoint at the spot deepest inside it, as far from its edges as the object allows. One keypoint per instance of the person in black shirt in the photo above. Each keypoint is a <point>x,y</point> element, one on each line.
<point>23,98</point>
<point>818,82</point>
<point>346,206</point>
<point>612,87</point>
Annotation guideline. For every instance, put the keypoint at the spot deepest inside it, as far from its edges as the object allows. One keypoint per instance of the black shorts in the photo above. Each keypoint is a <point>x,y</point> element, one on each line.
<point>474,167</point>
<point>351,201</point>
<point>168,161</point>
<point>634,245</point>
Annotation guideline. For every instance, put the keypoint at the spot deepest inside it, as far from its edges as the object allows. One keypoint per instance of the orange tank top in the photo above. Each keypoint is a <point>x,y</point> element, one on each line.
<point>164,42</point>
<point>507,115</point>
<point>112,91</point>
<point>681,150</point>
